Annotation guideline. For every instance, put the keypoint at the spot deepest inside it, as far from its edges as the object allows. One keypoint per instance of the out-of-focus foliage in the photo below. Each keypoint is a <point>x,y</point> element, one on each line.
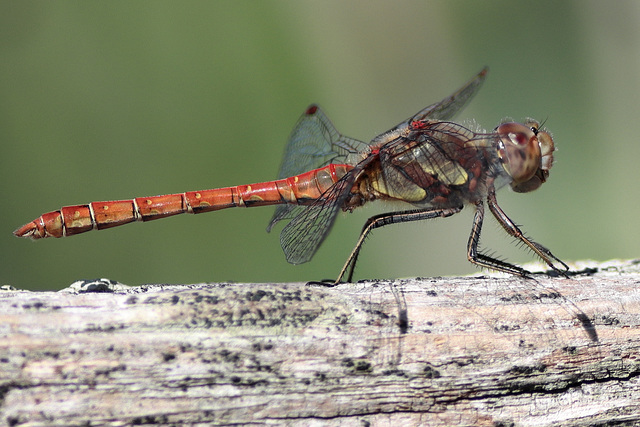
<point>102,101</point>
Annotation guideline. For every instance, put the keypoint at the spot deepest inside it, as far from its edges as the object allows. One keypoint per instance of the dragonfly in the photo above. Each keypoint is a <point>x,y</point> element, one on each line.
<point>427,161</point>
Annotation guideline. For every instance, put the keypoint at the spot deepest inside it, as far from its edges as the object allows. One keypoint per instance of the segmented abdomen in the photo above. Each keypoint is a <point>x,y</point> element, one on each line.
<point>70,220</point>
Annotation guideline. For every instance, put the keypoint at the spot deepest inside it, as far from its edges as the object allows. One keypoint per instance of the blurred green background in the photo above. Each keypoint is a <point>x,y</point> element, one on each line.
<point>113,100</point>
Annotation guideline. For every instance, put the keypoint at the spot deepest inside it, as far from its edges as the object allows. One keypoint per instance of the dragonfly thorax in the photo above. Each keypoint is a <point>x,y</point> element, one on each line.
<point>526,154</point>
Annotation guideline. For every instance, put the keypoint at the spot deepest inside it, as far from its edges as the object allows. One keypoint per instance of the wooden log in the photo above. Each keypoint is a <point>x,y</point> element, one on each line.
<point>482,350</point>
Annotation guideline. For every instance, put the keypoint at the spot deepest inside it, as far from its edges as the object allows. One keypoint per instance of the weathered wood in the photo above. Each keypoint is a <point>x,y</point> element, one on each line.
<point>438,351</point>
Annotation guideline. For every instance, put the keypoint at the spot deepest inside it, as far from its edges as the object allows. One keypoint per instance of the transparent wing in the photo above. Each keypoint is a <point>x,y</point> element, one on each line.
<point>303,235</point>
<point>443,110</point>
<point>314,143</point>
<point>450,106</point>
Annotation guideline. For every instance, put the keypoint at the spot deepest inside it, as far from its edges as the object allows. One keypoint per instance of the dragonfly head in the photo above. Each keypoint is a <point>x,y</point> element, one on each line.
<point>526,153</point>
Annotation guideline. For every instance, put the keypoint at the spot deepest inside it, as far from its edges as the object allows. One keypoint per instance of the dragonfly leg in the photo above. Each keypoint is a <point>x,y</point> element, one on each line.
<point>387,219</point>
<point>483,260</point>
<point>513,230</point>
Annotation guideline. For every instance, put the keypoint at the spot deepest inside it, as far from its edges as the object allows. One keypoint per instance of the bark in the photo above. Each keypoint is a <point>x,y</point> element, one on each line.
<point>483,350</point>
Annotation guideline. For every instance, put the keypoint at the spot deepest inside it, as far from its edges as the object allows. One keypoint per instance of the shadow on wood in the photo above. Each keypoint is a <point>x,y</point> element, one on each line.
<point>485,350</point>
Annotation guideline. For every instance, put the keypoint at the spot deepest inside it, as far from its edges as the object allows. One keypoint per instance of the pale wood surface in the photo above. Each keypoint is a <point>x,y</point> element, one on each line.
<point>438,351</point>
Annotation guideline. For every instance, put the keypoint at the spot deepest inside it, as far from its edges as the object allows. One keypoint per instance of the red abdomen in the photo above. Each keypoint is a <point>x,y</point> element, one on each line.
<point>70,220</point>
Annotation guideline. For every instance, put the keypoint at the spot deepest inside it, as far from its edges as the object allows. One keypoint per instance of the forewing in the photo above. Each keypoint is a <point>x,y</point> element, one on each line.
<point>313,143</point>
<point>443,110</point>
<point>450,106</point>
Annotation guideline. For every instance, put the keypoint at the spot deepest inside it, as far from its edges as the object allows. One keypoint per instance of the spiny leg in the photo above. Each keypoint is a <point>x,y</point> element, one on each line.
<point>482,260</point>
<point>387,219</point>
<point>513,230</point>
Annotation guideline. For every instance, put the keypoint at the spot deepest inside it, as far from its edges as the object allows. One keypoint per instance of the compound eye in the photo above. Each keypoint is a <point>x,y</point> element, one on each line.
<point>519,152</point>
<point>519,138</point>
<point>526,153</point>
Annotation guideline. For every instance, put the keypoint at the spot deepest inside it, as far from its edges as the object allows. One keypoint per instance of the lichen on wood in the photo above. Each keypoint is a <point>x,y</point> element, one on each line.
<point>478,350</point>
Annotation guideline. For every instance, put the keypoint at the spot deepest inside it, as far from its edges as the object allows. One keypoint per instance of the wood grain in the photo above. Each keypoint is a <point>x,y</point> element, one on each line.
<point>482,350</point>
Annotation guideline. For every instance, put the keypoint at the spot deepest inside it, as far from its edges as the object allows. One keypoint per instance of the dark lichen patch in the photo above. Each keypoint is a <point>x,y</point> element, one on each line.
<point>525,345</point>
<point>206,299</point>
<point>514,299</point>
<point>320,376</point>
<point>548,295</point>
<point>259,308</point>
<point>342,319</point>
<point>51,354</point>
<point>363,366</point>
<point>228,356</point>
<point>36,305</point>
<point>258,346</point>
<point>91,327</point>
<point>464,360</point>
<point>258,295</point>
<point>607,320</point>
<point>527,369</point>
<point>167,357</point>
<point>248,382</point>
<point>395,373</point>
<point>358,366</point>
<point>255,365</point>
<point>504,327</point>
<point>150,420</point>
<point>109,370</point>
<point>430,372</point>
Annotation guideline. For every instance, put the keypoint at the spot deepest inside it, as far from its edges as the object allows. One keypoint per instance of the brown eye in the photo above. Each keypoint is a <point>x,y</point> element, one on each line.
<point>519,138</point>
<point>520,155</point>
